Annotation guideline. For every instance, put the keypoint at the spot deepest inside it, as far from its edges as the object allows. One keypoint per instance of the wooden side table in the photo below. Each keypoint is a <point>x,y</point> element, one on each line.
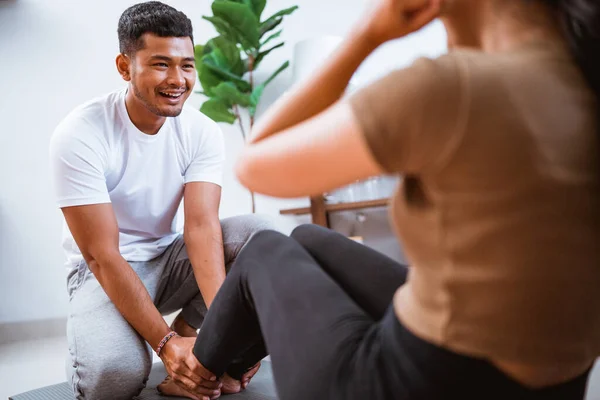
<point>320,210</point>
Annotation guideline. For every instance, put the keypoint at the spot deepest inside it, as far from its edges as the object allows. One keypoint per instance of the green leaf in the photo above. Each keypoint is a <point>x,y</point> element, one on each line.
<point>218,42</point>
<point>218,110</point>
<point>241,19</point>
<point>284,12</point>
<point>218,60</point>
<point>265,53</point>
<point>255,99</point>
<point>208,78</point>
<point>226,55</point>
<point>275,19</point>
<point>269,25</point>
<point>224,74</point>
<point>229,92</point>
<point>198,52</point>
<point>223,28</point>
<point>258,6</point>
<point>277,72</point>
<point>273,36</point>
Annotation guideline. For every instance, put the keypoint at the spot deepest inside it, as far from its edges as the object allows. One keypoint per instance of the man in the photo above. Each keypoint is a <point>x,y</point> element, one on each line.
<point>122,164</point>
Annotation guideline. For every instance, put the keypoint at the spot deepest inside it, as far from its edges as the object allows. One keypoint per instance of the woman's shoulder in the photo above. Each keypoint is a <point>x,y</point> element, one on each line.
<point>522,61</point>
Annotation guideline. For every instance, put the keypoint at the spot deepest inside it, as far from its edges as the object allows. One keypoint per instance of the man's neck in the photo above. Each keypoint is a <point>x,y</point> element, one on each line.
<point>146,121</point>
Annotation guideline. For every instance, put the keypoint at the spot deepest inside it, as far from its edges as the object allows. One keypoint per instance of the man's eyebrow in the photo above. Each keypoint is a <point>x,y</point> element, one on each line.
<point>166,58</point>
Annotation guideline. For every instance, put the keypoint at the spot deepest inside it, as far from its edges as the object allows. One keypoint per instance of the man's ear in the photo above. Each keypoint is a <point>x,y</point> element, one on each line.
<point>124,66</point>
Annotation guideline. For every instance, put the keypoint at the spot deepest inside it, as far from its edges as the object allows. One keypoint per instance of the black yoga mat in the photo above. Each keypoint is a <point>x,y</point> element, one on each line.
<point>261,388</point>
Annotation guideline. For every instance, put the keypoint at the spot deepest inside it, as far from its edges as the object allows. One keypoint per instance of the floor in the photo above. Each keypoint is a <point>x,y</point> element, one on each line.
<point>32,364</point>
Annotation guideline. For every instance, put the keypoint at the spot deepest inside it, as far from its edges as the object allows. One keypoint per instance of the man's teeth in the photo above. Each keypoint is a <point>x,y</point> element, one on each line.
<point>172,95</point>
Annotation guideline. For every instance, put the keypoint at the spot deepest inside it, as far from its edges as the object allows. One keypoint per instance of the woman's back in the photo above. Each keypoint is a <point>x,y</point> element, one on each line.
<point>500,203</point>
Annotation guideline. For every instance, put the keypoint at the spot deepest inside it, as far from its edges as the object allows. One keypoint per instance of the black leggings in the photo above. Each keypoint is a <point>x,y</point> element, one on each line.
<point>321,304</point>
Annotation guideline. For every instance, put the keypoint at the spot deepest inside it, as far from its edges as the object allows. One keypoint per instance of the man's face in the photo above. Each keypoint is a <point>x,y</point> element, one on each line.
<point>163,74</point>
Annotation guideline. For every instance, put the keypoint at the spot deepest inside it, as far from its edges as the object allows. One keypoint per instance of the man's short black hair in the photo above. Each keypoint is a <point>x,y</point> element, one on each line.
<point>151,17</point>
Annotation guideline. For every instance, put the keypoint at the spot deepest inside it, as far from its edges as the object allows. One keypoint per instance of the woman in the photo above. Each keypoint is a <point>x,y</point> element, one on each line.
<point>498,212</point>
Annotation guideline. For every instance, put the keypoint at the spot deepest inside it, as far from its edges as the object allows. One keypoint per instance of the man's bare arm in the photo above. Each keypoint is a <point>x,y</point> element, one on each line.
<point>203,236</point>
<point>95,230</point>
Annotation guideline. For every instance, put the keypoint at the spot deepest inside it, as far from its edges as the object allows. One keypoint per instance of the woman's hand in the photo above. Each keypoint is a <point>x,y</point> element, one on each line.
<point>392,19</point>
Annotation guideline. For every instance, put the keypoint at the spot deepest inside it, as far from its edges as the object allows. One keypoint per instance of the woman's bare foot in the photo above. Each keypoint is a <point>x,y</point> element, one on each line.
<point>232,386</point>
<point>169,388</point>
<point>249,375</point>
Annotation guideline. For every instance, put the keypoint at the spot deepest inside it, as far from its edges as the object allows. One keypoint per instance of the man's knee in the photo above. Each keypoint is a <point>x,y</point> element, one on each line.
<point>237,232</point>
<point>241,228</point>
<point>111,377</point>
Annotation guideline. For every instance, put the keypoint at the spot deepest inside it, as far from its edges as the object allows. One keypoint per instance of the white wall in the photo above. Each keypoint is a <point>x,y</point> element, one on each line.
<point>57,54</point>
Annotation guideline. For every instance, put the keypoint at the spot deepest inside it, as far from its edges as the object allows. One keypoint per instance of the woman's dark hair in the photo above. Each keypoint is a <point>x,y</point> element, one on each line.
<point>580,20</point>
<point>151,17</point>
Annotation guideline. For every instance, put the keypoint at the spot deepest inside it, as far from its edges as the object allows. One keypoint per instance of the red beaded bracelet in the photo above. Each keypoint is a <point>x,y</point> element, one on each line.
<point>164,341</point>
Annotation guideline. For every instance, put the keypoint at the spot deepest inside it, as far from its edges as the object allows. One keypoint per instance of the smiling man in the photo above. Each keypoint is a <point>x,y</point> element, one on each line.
<point>122,164</point>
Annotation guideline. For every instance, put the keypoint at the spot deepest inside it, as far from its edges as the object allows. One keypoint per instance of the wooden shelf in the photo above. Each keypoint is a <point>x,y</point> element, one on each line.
<point>330,207</point>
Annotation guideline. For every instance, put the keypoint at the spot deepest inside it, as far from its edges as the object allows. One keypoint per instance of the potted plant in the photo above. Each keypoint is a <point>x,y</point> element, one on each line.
<point>227,63</point>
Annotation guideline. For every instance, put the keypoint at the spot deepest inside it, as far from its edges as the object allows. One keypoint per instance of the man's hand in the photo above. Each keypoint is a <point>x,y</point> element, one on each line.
<point>186,370</point>
<point>392,19</point>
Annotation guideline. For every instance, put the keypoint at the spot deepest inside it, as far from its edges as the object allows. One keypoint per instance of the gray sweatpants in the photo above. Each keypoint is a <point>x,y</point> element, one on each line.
<point>107,358</point>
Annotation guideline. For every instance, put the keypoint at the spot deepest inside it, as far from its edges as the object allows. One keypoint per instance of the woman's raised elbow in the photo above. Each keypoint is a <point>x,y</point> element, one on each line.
<point>244,167</point>
<point>259,175</point>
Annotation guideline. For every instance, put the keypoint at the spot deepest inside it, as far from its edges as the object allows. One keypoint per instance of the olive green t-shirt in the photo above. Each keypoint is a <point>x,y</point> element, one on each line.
<point>499,206</point>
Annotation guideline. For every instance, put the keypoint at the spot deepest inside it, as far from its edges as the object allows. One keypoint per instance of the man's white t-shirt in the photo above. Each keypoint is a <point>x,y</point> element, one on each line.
<point>99,156</point>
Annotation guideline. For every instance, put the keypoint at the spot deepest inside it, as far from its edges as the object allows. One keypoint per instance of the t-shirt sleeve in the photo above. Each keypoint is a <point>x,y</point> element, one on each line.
<point>413,118</point>
<point>208,156</point>
<point>77,163</point>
